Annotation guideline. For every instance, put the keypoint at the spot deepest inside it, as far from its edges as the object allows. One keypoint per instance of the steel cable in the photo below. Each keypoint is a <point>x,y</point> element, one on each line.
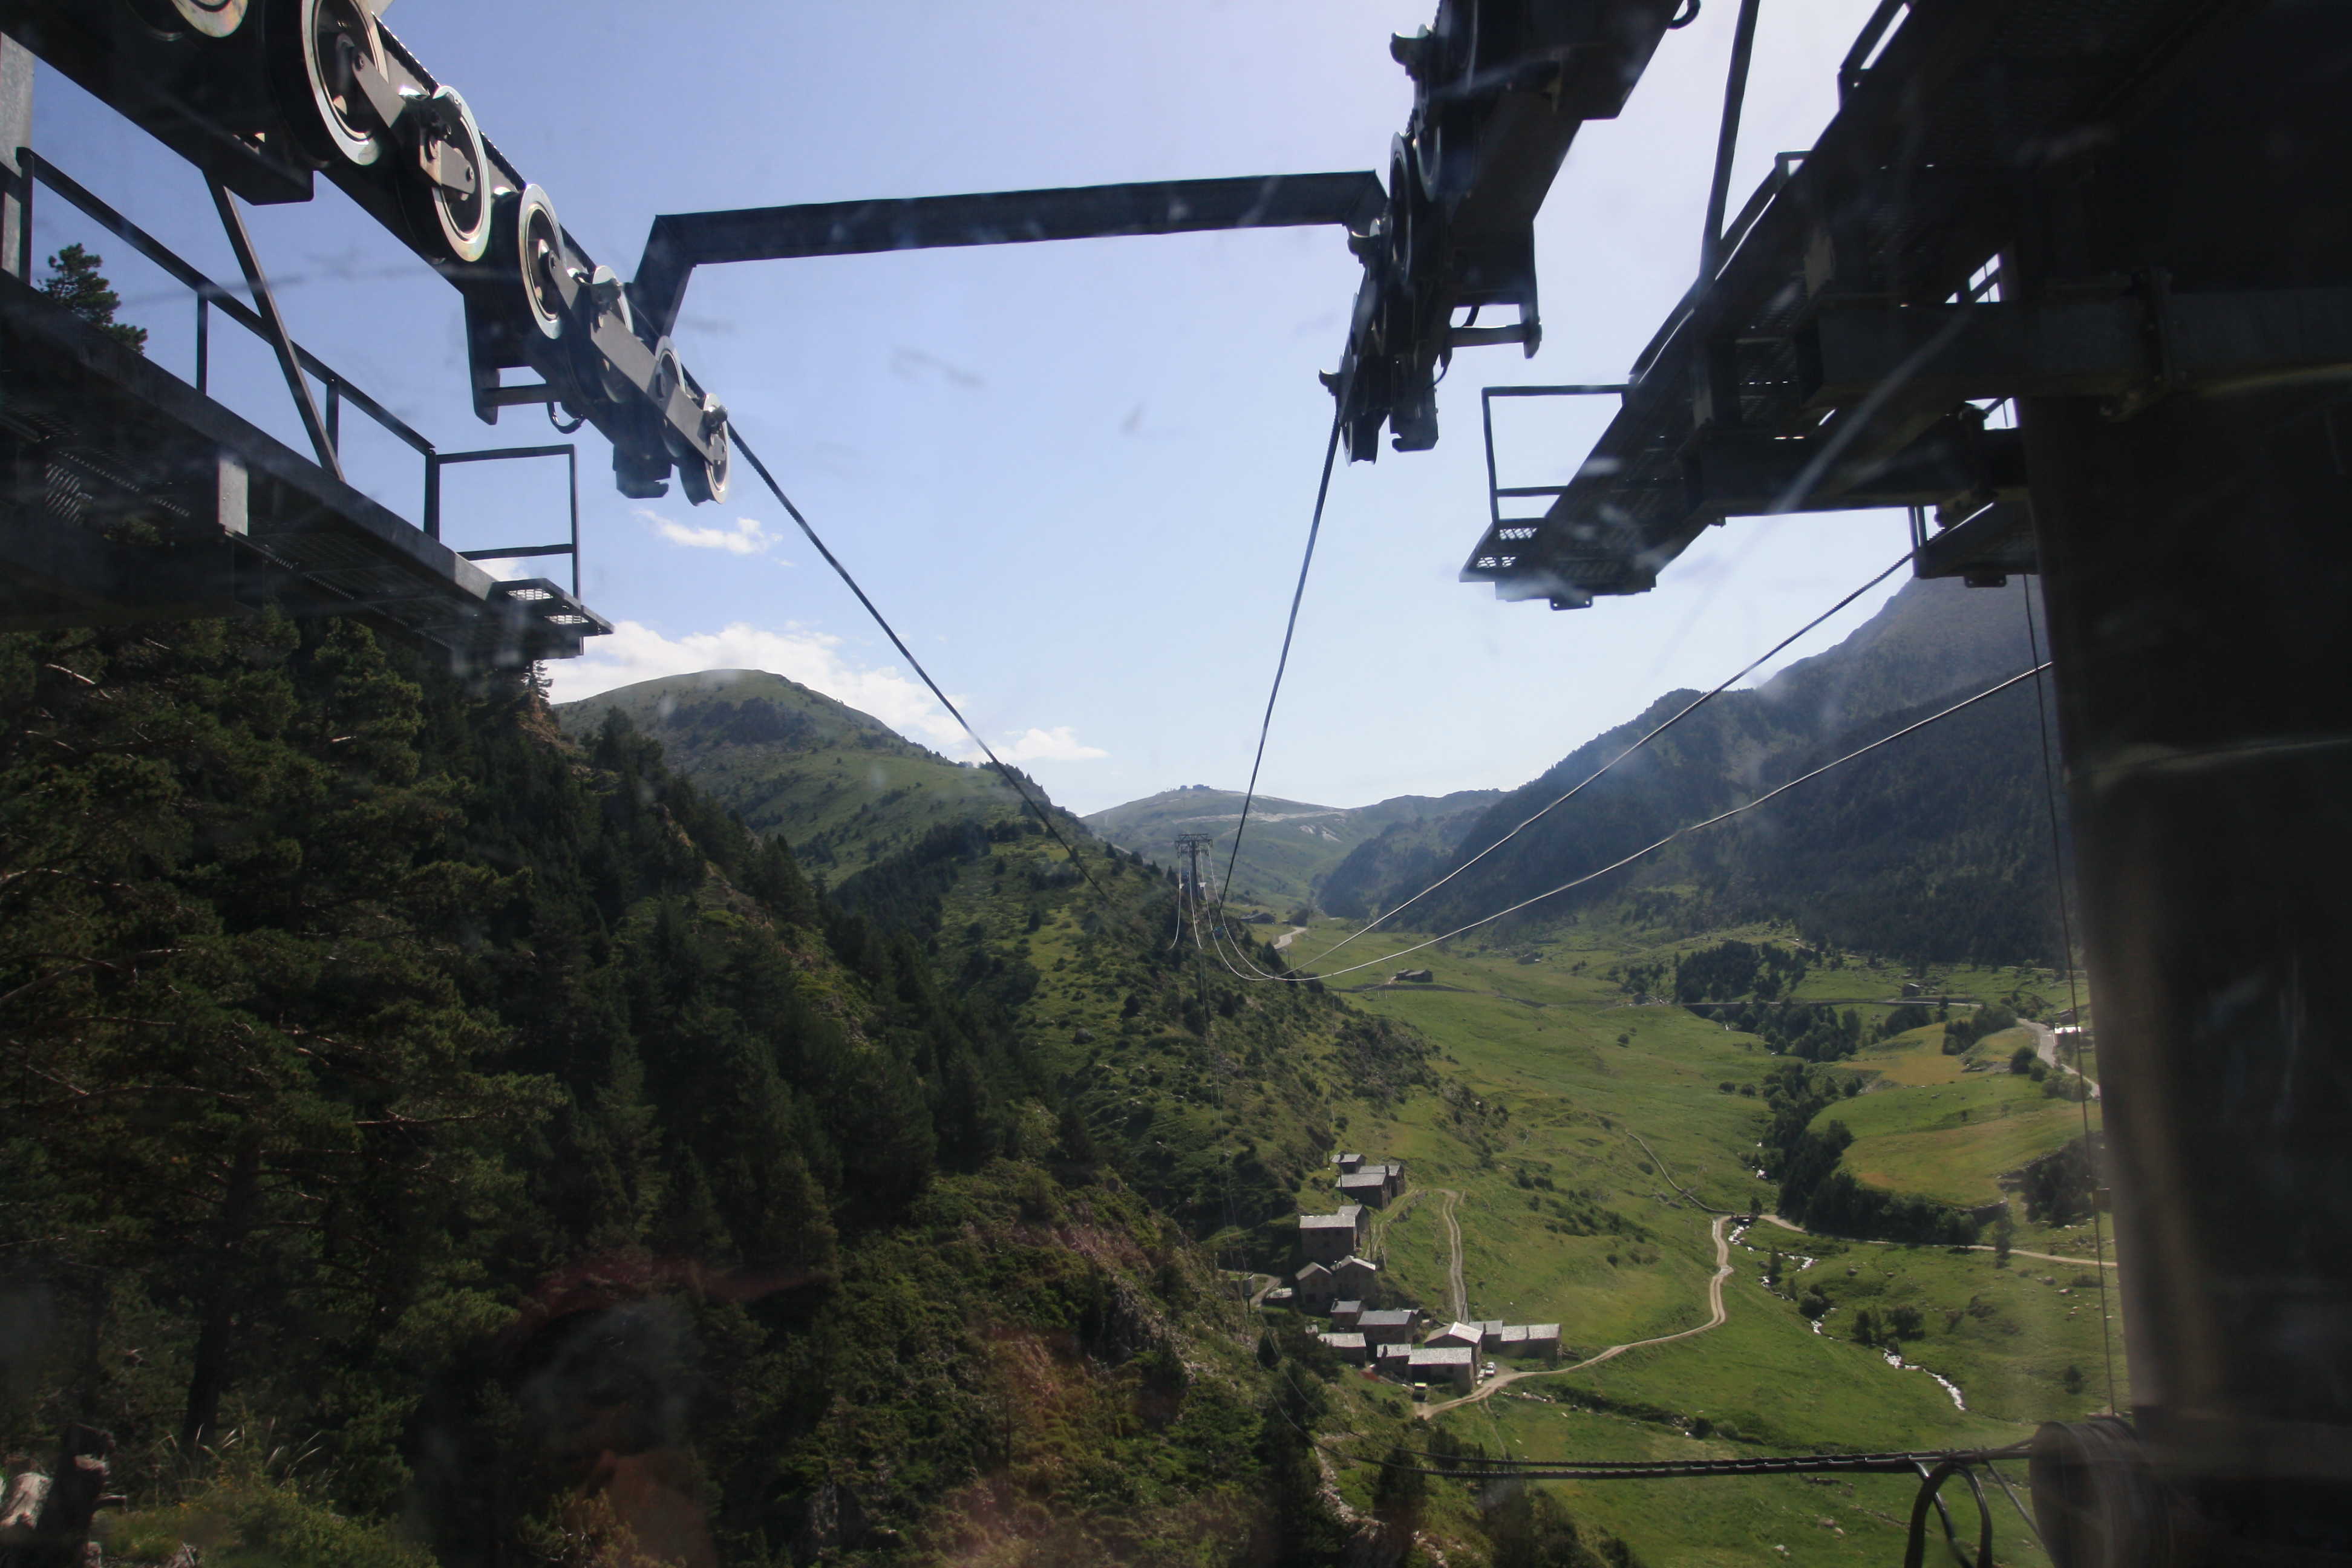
<point>1289,628</point>
<point>2074,1001</point>
<point>1648,849</point>
<point>1045,817</point>
<point>1688,708</point>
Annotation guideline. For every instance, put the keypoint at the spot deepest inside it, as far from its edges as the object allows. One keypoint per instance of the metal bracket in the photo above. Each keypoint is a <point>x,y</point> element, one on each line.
<point>2155,287</point>
<point>265,305</point>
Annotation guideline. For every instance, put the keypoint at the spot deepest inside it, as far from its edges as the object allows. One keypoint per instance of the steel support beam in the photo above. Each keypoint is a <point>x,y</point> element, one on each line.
<point>682,241</point>
<point>2195,573</point>
<point>2154,339</point>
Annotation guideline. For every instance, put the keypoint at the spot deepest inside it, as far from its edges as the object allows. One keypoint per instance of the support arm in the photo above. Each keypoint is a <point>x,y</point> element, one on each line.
<point>682,241</point>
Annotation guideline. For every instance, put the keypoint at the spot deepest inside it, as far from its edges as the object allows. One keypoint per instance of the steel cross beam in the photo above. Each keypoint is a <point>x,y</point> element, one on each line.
<point>680,242</point>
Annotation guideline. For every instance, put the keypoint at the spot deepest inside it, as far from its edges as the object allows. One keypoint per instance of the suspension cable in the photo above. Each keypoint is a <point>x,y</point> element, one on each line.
<point>2074,1001</point>
<point>1043,815</point>
<point>1290,626</point>
<point>1648,849</point>
<point>1686,711</point>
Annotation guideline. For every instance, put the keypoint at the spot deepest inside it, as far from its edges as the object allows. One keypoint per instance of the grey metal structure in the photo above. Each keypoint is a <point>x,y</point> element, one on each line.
<point>263,96</point>
<point>2129,220</point>
<point>1834,358</point>
<point>1500,90</point>
<point>133,495</point>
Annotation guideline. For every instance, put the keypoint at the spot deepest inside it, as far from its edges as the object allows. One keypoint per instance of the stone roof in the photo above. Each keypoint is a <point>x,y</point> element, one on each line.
<point>1442,1355</point>
<point>1389,1318</point>
<point>1343,1342</point>
<point>1313,1272</point>
<point>1342,1221</point>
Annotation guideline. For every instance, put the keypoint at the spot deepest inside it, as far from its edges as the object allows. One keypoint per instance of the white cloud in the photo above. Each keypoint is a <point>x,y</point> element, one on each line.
<point>749,536</point>
<point>1055,745</point>
<point>635,652</point>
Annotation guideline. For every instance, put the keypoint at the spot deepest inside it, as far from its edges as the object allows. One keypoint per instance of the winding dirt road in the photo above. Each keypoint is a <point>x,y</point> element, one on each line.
<point>1718,1315</point>
<point>1453,1260</point>
<point>2045,1046</point>
<point>2013,1252</point>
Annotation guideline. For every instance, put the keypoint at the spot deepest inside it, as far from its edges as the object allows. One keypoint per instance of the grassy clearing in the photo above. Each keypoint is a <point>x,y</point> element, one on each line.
<point>1539,1028</point>
<point>1950,1127</point>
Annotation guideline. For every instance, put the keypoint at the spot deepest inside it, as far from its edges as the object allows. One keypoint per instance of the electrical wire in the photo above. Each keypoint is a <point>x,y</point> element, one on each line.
<point>2074,1001</point>
<point>1648,849</point>
<point>1289,628</point>
<point>1505,1467</point>
<point>1687,709</point>
<point>1043,815</point>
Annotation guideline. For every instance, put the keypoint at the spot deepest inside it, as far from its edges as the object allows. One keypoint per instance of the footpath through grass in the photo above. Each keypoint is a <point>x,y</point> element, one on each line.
<point>1566,1217</point>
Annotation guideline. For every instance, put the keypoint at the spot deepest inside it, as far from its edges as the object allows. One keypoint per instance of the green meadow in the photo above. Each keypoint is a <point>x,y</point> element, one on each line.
<point>1948,1127</point>
<point>1574,1208</point>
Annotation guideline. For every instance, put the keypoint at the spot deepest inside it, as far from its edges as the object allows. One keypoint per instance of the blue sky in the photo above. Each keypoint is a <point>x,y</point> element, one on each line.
<point>1078,476</point>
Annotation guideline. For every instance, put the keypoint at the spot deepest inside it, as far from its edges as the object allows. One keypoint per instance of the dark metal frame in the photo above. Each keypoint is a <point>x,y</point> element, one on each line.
<point>1495,493</point>
<point>436,461</point>
<point>1797,376</point>
<point>325,427</point>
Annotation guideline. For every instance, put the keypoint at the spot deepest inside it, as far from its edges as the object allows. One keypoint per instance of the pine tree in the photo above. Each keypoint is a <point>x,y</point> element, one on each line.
<point>75,282</point>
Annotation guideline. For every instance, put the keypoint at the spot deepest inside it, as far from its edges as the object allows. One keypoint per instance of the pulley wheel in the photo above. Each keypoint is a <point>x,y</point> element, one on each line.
<point>705,479</point>
<point>450,209</point>
<point>331,115</point>
<point>667,373</point>
<point>206,18</point>
<point>530,239</point>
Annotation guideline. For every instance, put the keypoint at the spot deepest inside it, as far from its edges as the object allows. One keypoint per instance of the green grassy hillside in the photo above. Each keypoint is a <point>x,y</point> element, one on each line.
<point>1950,1127</point>
<point>1934,849</point>
<point>1578,1132</point>
<point>843,787</point>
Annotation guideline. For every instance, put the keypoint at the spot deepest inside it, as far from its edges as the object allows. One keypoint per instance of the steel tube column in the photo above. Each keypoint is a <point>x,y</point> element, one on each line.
<point>2198,561</point>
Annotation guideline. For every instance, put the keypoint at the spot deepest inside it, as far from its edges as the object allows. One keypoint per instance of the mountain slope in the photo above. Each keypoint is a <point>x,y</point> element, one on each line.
<point>1291,846</point>
<point>1935,846</point>
<point>844,787</point>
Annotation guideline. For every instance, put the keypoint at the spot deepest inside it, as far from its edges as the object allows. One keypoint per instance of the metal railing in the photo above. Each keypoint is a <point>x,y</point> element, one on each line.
<point>1497,493</point>
<point>341,390</point>
<point>436,461</point>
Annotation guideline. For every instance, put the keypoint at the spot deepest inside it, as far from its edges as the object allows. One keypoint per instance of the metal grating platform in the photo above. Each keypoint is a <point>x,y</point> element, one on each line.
<point>128,495</point>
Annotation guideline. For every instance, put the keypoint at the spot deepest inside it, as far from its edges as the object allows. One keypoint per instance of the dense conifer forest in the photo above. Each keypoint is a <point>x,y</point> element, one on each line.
<point>427,1139</point>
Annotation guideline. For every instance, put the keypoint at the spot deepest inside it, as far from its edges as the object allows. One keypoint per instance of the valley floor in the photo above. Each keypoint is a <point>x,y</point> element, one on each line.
<point>1683,1335</point>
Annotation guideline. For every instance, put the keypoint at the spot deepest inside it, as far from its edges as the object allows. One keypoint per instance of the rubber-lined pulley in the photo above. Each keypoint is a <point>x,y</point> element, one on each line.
<point>205,18</point>
<point>320,52</point>
<point>445,187</point>
<point>526,252</point>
